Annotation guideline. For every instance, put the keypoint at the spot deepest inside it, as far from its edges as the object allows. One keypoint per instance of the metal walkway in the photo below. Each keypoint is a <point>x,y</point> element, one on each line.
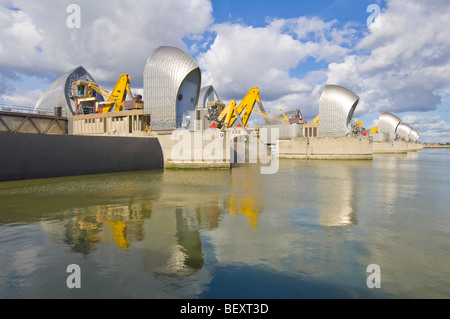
<point>19,122</point>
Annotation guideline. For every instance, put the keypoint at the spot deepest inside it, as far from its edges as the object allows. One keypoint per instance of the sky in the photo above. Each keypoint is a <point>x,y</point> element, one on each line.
<point>394,54</point>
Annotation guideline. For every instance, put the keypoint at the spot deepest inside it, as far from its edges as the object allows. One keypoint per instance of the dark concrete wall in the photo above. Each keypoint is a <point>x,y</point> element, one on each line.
<point>27,156</point>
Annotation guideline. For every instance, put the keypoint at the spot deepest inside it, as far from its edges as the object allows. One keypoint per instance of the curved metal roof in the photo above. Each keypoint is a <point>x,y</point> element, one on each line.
<point>403,131</point>
<point>207,94</point>
<point>58,93</point>
<point>166,69</point>
<point>336,107</point>
<point>414,136</point>
<point>388,123</point>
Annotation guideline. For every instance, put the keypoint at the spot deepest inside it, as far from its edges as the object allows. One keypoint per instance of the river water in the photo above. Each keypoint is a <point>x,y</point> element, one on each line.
<point>309,231</point>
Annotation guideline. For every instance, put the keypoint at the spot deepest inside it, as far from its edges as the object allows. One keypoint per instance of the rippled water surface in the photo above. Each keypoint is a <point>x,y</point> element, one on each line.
<point>309,231</point>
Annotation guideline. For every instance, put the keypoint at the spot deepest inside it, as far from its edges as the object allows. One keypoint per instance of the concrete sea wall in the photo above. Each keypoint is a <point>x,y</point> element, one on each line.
<point>326,147</point>
<point>213,148</point>
<point>413,147</point>
<point>391,147</point>
<point>187,149</point>
<point>27,156</point>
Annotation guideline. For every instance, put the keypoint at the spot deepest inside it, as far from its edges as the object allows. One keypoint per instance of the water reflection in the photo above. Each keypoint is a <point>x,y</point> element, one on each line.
<point>246,193</point>
<point>188,233</point>
<point>397,178</point>
<point>189,202</point>
<point>338,191</point>
<point>162,210</point>
<point>388,180</point>
<point>90,226</point>
<point>246,205</point>
<point>172,242</point>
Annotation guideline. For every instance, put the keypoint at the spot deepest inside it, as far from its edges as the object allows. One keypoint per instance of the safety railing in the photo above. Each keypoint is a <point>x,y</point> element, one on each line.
<point>23,109</point>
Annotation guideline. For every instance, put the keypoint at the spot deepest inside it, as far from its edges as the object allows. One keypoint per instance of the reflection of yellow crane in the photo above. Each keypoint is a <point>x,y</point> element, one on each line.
<point>246,205</point>
<point>119,230</point>
<point>114,100</point>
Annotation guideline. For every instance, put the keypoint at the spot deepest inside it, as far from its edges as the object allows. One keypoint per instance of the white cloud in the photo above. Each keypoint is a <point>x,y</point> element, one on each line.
<point>243,56</point>
<point>21,98</point>
<point>114,38</point>
<point>406,61</point>
<point>423,122</point>
<point>430,127</point>
<point>21,39</point>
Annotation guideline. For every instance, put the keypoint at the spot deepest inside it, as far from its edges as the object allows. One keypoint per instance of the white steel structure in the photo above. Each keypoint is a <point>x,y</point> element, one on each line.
<point>207,94</point>
<point>336,107</point>
<point>414,136</point>
<point>172,81</point>
<point>403,131</point>
<point>387,125</point>
<point>58,94</point>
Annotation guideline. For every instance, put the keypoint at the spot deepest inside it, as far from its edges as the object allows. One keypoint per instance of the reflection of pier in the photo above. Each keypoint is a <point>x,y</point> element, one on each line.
<point>393,170</point>
<point>172,242</point>
<point>339,191</point>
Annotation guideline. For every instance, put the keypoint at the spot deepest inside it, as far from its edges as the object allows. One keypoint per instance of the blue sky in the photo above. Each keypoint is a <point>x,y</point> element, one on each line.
<point>289,49</point>
<point>255,12</point>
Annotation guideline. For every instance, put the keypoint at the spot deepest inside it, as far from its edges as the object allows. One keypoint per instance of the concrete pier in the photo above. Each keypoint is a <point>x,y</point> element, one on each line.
<point>131,123</point>
<point>212,148</point>
<point>390,147</point>
<point>326,147</point>
<point>395,147</point>
<point>189,149</point>
<point>414,147</point>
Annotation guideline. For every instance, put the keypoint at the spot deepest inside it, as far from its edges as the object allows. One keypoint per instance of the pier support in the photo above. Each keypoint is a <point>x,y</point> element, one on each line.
<point>327,147</point>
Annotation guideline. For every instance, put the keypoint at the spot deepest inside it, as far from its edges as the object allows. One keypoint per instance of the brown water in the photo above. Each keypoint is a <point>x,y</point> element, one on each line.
<point>309,231</point>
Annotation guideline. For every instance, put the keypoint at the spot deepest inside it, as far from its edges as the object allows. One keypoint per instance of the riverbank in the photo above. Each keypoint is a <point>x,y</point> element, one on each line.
<point>436,146</point>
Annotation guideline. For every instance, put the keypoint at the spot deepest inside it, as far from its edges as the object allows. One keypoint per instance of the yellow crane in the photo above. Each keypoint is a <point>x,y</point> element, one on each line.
<point>374,130</point>
<point>271,116</point>
<point>316,120</point>
<point>231,113</point>
<point>114,100</point>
